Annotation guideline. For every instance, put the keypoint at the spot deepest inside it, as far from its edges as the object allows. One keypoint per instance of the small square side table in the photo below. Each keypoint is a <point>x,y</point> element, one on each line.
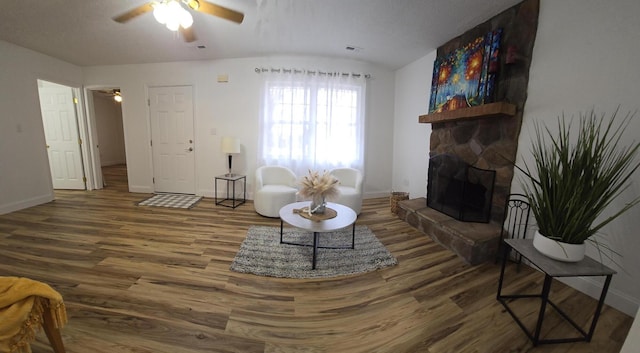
<point>231,200</point>
<point>552,268</point>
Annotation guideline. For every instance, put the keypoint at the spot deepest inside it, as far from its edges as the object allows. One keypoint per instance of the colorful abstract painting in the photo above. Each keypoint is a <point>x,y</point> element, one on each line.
<point>466,77</point>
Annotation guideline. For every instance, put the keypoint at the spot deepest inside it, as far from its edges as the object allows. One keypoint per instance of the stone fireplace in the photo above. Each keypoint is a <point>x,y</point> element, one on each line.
<point>483,143</point>
<point>460,190</point>
<point>484,137</point>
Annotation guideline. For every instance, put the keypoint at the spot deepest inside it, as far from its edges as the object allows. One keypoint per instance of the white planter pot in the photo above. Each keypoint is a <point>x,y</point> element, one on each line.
<point>558,250</point>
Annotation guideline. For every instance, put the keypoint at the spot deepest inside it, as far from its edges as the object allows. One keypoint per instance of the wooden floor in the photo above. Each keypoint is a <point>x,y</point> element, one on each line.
<point>152,279</point>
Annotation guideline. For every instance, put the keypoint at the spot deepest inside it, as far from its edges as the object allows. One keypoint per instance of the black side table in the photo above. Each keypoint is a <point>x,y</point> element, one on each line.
<point>552,268</point>
<point>230,200</point>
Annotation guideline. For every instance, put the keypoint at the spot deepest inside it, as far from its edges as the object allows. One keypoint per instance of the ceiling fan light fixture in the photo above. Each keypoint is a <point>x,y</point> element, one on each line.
<point>160,12</point>
<point>173,24</point>
<point>194,4</point>
<point>185,19</point>
<point>173,6</point>
<point>172,14</point>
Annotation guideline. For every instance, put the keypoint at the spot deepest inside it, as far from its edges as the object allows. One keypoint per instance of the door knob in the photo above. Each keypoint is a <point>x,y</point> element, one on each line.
<point>189,149</point>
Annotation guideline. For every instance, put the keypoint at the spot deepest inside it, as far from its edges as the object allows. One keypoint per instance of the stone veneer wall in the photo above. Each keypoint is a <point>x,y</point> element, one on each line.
<point>484,142</point>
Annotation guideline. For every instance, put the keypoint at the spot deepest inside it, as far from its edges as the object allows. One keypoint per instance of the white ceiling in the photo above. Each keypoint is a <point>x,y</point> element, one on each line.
<point>391,33</point>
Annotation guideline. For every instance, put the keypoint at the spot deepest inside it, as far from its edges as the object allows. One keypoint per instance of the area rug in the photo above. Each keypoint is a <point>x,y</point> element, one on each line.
<point>171,200</point>
<point>262,254</point>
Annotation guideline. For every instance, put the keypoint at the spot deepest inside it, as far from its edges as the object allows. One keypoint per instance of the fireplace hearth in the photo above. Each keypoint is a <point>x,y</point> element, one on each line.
<point>460,190</point>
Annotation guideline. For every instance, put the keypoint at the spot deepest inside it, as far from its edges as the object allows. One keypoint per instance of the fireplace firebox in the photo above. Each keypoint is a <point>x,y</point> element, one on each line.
<point>460,190</point>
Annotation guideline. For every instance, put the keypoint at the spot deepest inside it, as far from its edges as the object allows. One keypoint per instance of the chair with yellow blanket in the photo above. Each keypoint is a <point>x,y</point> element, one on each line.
<point>25,307</point>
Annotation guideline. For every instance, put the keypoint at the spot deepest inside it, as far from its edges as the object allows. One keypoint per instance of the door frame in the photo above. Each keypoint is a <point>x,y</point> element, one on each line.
<point>95,162</point>
<point>84,122</point>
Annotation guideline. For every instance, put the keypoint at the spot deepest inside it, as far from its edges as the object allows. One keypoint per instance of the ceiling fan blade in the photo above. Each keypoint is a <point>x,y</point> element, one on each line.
<point>187,34</point>
<point>219,11</point>
<point>133,13</point>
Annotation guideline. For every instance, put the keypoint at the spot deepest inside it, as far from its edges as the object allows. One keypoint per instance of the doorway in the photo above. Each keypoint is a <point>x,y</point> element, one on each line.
<point>60,120</point>
<point>109,129</point>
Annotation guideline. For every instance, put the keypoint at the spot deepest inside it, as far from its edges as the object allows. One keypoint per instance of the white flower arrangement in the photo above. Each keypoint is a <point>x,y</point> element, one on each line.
<point>314,184</point>
<point>318,188</point>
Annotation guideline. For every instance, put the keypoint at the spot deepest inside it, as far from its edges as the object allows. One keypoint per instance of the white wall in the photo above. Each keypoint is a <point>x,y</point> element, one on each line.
<point>411,139</point>
<point>585,56</point>
<point>232,109</point>
<point>108,119</point>
<point>25,179</point>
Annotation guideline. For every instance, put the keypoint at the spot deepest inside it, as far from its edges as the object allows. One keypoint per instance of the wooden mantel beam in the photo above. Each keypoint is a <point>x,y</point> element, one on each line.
<point>489,110</point>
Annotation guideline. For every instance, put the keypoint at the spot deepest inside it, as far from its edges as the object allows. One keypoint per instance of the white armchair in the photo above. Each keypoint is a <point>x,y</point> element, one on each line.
<point>275,187</point>
<point>350,186</point>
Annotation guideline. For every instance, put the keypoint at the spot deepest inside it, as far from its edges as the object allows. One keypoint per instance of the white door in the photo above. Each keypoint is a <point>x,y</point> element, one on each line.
<point>171,110</point>
<point>61,134</point>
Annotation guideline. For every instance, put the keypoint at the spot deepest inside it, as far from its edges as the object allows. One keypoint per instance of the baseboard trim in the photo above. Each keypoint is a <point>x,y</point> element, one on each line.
<point>22,204</point>
<point>375,195</point>
<point>593,288</point>
<point>141,189</point>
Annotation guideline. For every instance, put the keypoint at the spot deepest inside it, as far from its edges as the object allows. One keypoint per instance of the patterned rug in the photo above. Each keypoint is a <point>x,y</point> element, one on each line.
<point>262,254</point>
<point>171,200</point>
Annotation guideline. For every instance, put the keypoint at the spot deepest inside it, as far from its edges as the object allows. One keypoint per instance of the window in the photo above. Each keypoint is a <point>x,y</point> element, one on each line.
<point>312,122</point>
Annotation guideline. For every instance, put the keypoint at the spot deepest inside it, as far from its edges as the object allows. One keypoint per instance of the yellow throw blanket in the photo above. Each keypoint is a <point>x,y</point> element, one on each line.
<point>22,302</point>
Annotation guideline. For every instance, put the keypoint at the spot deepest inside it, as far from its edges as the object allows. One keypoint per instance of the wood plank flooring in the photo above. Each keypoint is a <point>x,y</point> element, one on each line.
<point>151,279</point>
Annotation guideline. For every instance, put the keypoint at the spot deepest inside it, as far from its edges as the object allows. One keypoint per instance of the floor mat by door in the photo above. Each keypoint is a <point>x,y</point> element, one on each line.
<point>171,200</point>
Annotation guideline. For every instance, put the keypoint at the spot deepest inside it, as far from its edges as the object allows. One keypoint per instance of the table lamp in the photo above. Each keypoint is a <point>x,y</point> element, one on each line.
<point>230,145</point>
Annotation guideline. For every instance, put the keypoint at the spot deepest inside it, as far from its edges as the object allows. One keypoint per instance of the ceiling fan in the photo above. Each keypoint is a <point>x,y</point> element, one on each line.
<point>113,93</point>
<point>177,18</point>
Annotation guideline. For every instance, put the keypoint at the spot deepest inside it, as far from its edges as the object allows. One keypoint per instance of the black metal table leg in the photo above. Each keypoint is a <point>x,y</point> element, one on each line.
<point>353,236</point>
<point>315,249</point>
<point>281,229</point>
<point>233,187</point>
<point>506,250</point>
<point>603,294</point>
<point>546,287</point>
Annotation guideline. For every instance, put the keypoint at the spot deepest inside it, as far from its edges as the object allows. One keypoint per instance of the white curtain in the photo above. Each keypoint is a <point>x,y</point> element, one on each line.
<point>312,121</point>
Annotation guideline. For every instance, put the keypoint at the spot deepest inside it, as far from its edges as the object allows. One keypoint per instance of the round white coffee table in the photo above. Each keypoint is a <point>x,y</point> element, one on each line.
<point>344,218</point>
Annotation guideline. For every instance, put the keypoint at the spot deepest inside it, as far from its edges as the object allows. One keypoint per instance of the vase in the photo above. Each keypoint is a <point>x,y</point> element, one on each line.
<point>558,250</point>
<point>318,204</point>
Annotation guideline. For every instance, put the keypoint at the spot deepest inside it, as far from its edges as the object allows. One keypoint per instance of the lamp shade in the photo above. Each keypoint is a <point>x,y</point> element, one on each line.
<point>230,145</point>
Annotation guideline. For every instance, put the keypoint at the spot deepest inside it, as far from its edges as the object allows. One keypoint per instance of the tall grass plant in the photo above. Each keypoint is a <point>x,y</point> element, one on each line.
<point>576,177</point>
